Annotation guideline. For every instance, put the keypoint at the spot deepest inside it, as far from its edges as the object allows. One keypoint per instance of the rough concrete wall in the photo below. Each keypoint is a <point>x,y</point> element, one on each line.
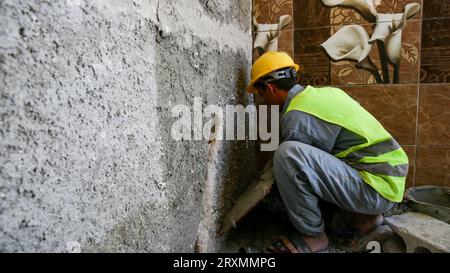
<point>86,158</point>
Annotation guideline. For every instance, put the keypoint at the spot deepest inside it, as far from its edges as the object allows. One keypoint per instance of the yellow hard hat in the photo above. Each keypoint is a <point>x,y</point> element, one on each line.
<point>267,63</point>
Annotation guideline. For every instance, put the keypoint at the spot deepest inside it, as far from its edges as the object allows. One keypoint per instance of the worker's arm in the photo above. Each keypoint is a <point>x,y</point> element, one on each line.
<point>305,128</point>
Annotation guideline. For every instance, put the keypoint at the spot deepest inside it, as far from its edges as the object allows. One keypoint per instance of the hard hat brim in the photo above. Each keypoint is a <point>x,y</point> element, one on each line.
<point>251,88</point>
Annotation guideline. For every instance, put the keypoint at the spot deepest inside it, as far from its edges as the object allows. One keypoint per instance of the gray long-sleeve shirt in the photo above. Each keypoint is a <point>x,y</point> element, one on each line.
<point>308,129</point>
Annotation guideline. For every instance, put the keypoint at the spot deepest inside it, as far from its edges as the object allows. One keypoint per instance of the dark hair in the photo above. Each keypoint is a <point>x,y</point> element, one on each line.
<point>283,84</point>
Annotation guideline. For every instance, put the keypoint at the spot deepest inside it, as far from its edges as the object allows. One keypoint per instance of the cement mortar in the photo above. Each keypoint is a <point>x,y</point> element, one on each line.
<point>86,158</point>
<point>227,11</point>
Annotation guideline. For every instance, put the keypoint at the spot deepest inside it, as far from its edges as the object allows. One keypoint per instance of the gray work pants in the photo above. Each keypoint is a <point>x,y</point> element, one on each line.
<point>305,175</point>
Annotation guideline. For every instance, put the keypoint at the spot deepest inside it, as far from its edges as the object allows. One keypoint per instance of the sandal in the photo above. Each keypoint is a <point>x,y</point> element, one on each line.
<point>294,244</point>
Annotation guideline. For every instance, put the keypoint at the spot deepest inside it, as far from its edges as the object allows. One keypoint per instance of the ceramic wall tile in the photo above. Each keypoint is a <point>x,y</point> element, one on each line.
<point>433,165</point>
<point>395,106</point>
<point>434,115</point>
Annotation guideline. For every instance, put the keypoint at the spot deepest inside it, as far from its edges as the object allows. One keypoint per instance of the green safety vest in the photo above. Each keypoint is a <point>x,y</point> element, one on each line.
<point>381,162</point>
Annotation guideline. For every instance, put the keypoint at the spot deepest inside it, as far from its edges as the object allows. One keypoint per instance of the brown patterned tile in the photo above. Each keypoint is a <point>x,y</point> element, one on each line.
<point>286,42</point>
<point>310,13</point>
<point>314,63</point>
<point>436,8</point>
<point>433,165</point>
<point>269,11</point>
<point>345,72</point>
<point>411,152</point>
<point>340,16</point>
<point>395,106</point>
<point>435,53</point>
<point>434,115</point>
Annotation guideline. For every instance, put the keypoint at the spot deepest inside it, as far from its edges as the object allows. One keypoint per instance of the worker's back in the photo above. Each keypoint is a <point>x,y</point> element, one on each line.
<point>359,139</point>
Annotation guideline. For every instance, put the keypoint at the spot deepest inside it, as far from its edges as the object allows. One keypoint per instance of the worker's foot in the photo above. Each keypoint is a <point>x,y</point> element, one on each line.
<point>301,244</point>
<point>354,231</point>
<point>367,228</point>
<point>360,242</point>
<point>366,223</point>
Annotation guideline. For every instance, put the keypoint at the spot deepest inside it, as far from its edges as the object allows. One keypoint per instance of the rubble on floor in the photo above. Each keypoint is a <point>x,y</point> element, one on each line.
<point>421,233</point>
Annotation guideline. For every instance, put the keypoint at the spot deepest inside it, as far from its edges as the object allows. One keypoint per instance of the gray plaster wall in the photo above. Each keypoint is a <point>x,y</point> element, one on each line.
<point>86,158</point>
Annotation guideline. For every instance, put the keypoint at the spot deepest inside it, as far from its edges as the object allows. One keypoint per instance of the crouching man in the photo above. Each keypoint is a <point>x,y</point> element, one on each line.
<point>332,150</point>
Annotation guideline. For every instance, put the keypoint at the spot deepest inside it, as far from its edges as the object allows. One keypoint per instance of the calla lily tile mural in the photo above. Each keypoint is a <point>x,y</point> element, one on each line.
<point>395,50</point>
<point>404,50</point>
<point>352,43</point>
<point>387,33</point>
<point>393,56</point>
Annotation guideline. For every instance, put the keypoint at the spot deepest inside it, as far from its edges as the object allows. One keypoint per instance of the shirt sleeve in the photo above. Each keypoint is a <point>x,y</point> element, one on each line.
<point>306,128</point>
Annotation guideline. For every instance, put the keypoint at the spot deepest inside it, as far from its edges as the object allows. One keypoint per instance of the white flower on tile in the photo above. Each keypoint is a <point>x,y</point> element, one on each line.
<point>352,43</point>
<point>389,30</point>
<point>267,35</point>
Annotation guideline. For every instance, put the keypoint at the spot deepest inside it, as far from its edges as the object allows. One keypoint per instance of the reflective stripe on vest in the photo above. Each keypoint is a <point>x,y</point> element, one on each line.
<point>380,160</point>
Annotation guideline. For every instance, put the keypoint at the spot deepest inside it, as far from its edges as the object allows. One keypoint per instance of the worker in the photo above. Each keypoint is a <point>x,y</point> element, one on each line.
<point>333,150</point>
